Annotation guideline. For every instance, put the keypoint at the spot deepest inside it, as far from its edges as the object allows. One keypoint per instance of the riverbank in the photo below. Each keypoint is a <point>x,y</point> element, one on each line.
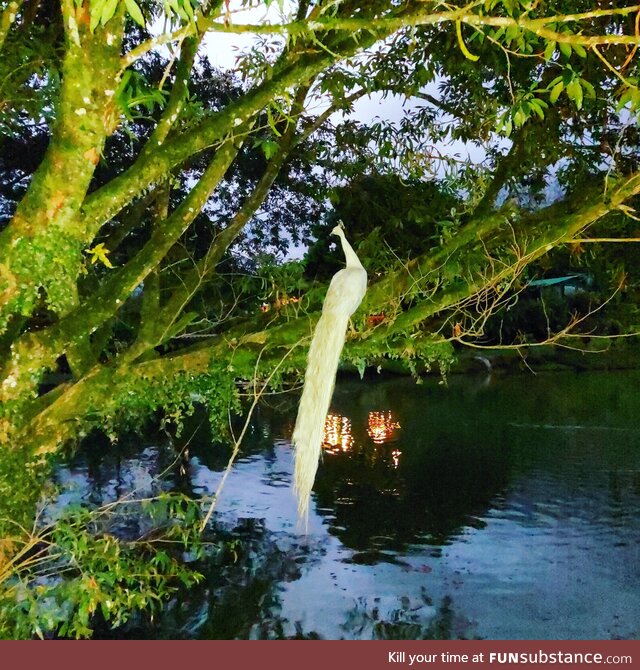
<point>580,355</point>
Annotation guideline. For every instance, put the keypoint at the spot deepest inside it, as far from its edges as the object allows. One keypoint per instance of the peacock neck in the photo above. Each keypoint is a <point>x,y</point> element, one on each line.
<point>349,253</point>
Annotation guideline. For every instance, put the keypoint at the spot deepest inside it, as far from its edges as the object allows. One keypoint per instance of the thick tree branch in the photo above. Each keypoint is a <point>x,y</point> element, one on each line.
<point>45,229</point>
<point>551,227</point>
<point>131,219</point>
<point>7,19</point>
<point>301,66</point>
<point>179,91</point>
<point>41,348</point>
<point>51,427</point>
<point>421,17</point>
<point>17,248</point>
<point>205,268</point>
<point>301,28</point>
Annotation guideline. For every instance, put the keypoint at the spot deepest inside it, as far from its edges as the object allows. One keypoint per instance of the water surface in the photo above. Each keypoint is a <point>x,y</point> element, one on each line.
<point>490,507</point>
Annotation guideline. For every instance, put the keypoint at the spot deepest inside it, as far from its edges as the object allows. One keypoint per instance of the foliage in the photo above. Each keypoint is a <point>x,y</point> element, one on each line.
<point>389,221</point>
<point>174,396</point>
<point>74,573</point>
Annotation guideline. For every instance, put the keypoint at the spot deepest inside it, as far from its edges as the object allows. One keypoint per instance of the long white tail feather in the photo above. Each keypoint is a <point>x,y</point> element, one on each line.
<point>324,355</point>
<point>345,292</point>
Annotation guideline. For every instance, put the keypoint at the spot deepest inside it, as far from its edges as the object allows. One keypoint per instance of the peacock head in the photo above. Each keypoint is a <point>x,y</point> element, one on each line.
<point>338,230</point>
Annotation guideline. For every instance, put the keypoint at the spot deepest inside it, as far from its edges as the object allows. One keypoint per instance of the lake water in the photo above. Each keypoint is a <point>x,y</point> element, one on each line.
<point>499,507</point>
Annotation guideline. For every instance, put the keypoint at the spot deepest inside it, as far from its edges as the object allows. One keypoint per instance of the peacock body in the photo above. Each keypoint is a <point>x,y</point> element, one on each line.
<point>345,293</point>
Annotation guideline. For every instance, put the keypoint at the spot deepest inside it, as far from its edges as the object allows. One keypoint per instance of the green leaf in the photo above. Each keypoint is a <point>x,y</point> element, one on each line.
<point>536,107</point>
<point>134,12</point>
<point>549,50</point>
<point>565,49</point>
<point>555,92</point>
<point>269,148</point>
<point>625,98</point>
<point>580,50</point>
<point>478,36</point>
<point>589,90</point>
<point>189,10</point>
<point>579,96</point>
<point>271,122</point>
<point>95,13</point>
<point>519,118</point>
<point>512,33</point>
<point>574,91</point>
<point>108,11</point>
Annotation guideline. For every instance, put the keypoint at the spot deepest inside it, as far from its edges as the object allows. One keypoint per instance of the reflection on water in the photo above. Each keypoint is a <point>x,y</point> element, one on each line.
<point>501,510</point>
<point>381,426</point>
<point>337,434</point>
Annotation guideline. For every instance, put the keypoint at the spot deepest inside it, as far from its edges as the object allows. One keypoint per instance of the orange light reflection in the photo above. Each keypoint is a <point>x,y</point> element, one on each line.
<point>337,434</point>
<point>395,455</point>
<point>381,426</point>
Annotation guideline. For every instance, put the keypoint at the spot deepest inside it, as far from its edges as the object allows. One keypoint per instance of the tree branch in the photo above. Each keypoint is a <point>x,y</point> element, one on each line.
<point>53,426</point>
<point>154,162</point>
<point>45,225</point>
<point>416,17</point>
<point>558,228</point>
<point>507,167</point>
<point>205,268</point>
<point>42,347</point>
<point>7,19</point>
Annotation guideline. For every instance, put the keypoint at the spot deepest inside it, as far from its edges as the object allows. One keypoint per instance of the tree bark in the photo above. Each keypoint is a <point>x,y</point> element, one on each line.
<point>42,245</point>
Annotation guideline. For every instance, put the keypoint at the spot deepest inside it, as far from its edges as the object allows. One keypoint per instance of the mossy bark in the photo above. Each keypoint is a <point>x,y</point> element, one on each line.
<point>71,335</point>
<point>7,18</point>
<point>300,65</point>
<point>42,245</point>
<point>156,332</point>
<point>33,352</point>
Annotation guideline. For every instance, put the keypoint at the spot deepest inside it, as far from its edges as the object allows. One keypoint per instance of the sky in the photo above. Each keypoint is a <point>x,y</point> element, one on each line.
<point>224,48</point>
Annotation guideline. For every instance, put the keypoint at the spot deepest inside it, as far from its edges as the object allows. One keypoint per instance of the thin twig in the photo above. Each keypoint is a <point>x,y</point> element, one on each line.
<point>238,441</point>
